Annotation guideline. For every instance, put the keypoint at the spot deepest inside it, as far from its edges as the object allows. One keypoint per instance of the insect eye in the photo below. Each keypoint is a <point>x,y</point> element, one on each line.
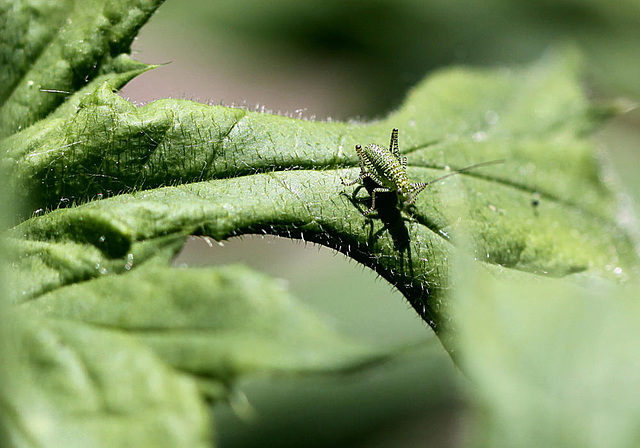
<point>358,147</point>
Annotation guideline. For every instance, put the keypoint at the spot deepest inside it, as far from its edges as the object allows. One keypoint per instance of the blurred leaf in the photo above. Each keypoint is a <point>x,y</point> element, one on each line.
<point>552,364</point>
<point>67,384</point>
<point>214,323</point>
<point>414,400</point>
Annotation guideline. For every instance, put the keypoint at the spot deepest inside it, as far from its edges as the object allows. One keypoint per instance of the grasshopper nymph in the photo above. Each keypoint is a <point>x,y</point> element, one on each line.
<point>388,169</point>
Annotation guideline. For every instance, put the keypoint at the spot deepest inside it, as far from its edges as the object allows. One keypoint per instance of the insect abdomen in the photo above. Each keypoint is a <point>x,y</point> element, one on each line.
<point>385,166</point>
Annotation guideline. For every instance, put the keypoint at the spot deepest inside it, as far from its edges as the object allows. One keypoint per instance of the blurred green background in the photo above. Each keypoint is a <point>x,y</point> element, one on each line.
<point>355,60</point>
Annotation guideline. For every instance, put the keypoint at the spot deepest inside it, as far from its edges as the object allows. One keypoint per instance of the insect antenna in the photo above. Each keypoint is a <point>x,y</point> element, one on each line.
<point>462,170</point>
<point>417,187</point>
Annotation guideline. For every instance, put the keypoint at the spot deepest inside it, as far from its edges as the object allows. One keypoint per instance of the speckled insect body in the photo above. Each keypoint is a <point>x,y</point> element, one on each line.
<point>388,169</point>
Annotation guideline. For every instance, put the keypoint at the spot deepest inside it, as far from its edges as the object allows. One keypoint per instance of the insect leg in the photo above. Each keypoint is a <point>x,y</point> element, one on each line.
<point>393,145</point>
<point>373,198</point>
<point>353,182</point>
<point>416,188</point>
<point>363,169</point>
<point>361,157</point>
<point>361,177</point>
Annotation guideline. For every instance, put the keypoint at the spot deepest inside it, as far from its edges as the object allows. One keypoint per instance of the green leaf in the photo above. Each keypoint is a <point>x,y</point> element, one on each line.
<point>71,384</point>
<point>552,363</point>
<point>50,51</point>
<point>545,210</point>
<point>214,323</point>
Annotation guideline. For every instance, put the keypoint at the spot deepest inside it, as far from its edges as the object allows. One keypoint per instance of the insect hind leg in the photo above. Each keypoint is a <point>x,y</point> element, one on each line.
<point>393,144</point>
<point>362,176</point>
<point>351,182</point>
<point>373,198</point>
